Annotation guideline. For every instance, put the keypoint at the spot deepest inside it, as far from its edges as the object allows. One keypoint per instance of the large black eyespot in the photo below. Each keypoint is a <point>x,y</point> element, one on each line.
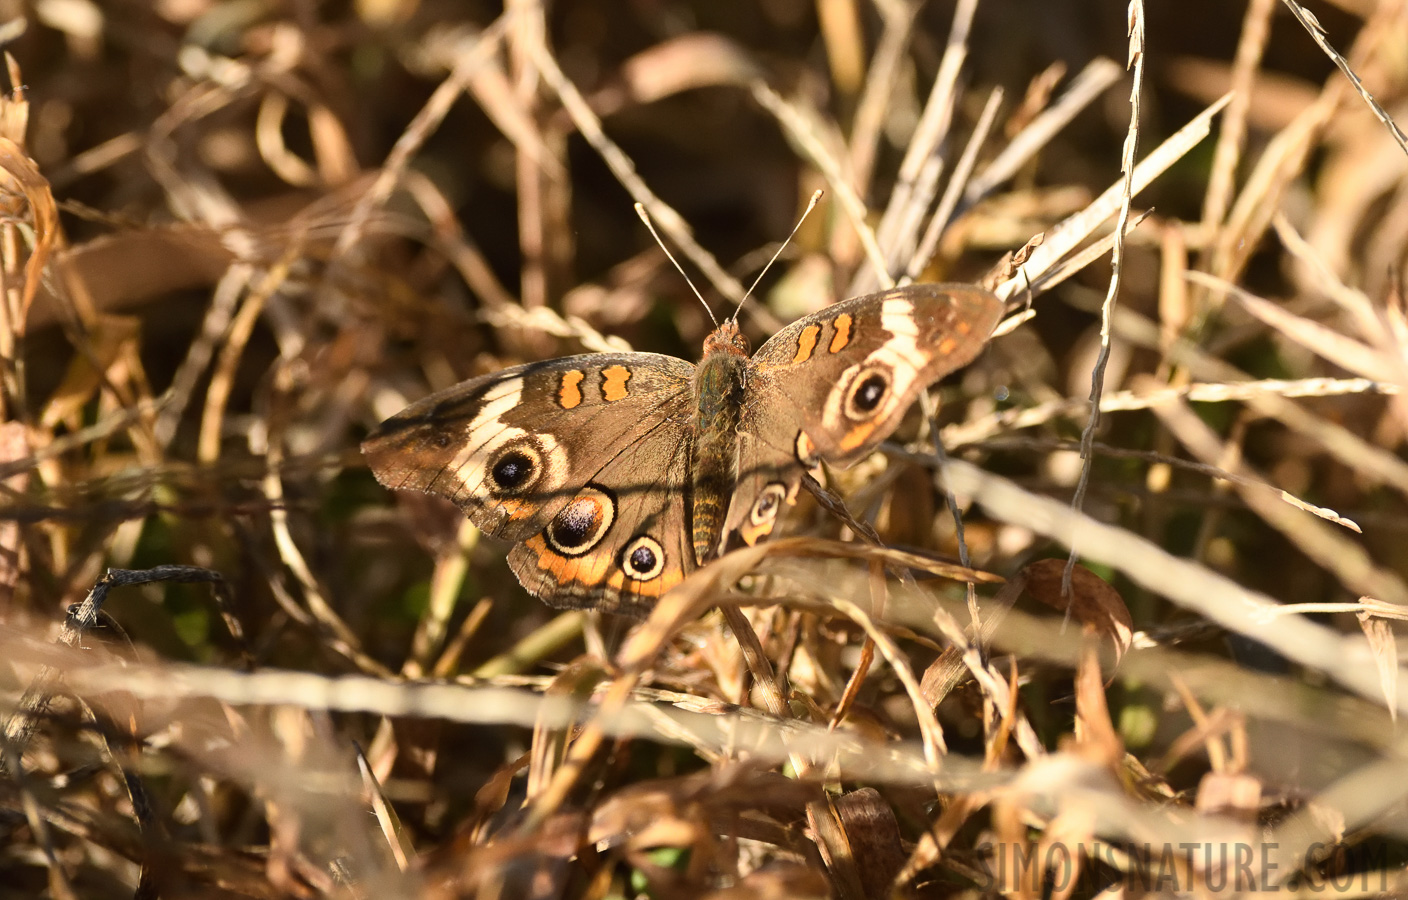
<point>513,470</point>
<point>582,523</point>
<point>643,559</point>
<point>870,392</point>
<point>867,393</point>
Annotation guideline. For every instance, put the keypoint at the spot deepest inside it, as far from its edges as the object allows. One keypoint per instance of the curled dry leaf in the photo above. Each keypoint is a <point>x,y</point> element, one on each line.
<point>44,214</point>
<point>874,836</point>
<point>1093,601</point>
<point>14,109</point>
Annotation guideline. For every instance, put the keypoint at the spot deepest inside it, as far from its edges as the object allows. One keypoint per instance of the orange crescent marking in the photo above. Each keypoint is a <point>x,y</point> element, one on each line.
<point>856,436</point>
<point>946,346</point>
<point>613,383</point>
<point>558,566</point>
<point>588,569</point>
<point>569,395</point>
<point>842,324</point>
<point>806,343</point>
<point>805,448</point>
<point>750,532</point>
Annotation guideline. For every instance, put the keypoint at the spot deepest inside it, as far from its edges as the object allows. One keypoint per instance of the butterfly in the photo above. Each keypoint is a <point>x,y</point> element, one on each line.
<point>615,475</point>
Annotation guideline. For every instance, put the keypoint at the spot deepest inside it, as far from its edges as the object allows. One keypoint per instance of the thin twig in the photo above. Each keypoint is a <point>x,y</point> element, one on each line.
<point>1097,375</point>
<point>1317,31</point>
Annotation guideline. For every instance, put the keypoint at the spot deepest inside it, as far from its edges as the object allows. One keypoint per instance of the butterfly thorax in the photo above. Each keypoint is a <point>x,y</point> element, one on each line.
<point>718,393</point>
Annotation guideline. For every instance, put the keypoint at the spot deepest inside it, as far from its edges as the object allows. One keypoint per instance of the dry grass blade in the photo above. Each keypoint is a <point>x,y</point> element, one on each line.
<point>875,96</point>
<point>621,166</point>
<point>763,738</point>
<point>1328,343</point>
<point>931,129</point>
<point>1093,80</point>
<point>1117,254</point>
<point>980,429</point>
<point>1070,233</point>
<point>1312,25</point>
<point>1238,608</point>
<point>956,184</point>
<point>1250,47</point>
<point>1384,646</point>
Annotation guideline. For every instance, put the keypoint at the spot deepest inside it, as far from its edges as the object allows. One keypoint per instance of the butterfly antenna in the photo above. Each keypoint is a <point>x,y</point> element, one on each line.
<point>645,217</point>
<point>816,198</point>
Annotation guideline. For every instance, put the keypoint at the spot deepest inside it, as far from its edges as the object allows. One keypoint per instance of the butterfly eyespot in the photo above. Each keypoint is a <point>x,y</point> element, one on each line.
<point>643,559</point>
<point>516,468</point>
<point>769,502</point>
<point>582,523</point>
<point>513,470</point>
<point>442,440</point>
<point>868,391</point>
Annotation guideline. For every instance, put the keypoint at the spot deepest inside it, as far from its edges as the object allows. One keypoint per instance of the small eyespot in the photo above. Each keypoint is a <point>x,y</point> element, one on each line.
<point>582,523</point>
<point>516,468</point>
<point>643,559</point>
<point>766,507</point>
<point>442,440</point>
<point>867,393</point>
<point>512,470</point>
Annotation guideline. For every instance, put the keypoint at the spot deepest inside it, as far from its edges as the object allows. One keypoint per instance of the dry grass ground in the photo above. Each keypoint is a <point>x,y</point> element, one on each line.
<point>237,235</point>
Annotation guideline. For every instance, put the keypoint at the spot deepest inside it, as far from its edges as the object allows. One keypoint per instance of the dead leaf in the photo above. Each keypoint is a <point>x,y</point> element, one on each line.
<point>44,216</point>
<point>1093,601</point>
<point>874,836</point>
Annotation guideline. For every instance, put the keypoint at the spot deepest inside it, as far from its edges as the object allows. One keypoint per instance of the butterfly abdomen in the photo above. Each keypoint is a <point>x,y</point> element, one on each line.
<point>718,393</point>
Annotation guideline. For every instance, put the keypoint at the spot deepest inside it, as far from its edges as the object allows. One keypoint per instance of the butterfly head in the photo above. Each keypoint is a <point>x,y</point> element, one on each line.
<point>727,339</point>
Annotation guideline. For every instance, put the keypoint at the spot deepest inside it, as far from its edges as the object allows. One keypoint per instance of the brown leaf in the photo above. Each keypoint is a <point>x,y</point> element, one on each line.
<point>1092,601</point>
<point>874,836</point>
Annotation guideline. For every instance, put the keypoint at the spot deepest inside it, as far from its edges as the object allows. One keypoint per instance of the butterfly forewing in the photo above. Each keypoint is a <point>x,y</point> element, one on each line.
<point>513,448</point>
<point>833,385</point>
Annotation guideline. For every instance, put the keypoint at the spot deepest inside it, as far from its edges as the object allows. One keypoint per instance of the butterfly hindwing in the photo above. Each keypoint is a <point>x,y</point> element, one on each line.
<point>623,540</point>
